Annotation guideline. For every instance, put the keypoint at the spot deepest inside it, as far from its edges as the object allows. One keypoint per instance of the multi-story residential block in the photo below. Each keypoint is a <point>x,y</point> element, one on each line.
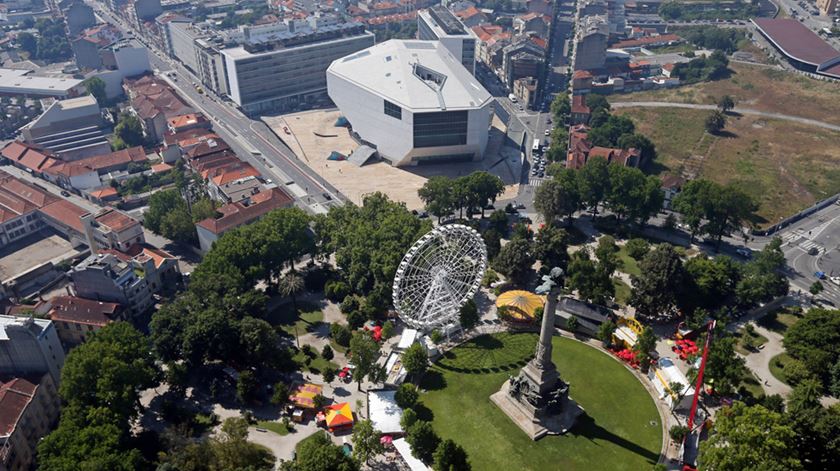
<point>104,277</point>
<point>439,24</point>
<point>28,409</point>
<point>591,43</point>
<point>75,318</point>
<point>523,58</point>
<point>286,73</point>
<point>154,102</point>
<point>412,101</point>
<point>30,346</point>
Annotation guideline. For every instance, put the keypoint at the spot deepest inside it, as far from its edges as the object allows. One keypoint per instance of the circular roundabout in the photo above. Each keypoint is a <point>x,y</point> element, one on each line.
<point>620,430</point>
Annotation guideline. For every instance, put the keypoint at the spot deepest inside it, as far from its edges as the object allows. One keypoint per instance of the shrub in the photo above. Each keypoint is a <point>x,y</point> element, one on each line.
<point>329,375</point>
<point>327,353</point>
<point>387,330</point>
<point>307,350</point>
<point>637,248</point>
<point>408,419</point>
<point>336,290</point>
<point>436,336</point>
<point>406,395</point>
<point>350,303</point>
<point>341,334</point>
<point>678,432</point>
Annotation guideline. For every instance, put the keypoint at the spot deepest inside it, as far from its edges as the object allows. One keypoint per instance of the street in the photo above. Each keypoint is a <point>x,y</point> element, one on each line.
<point>251,140</point>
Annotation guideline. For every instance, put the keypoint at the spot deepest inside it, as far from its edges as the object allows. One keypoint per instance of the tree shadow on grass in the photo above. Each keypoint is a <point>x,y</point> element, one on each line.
<point>586,427</point>
<point>423,412</point>
<point>433,381</point>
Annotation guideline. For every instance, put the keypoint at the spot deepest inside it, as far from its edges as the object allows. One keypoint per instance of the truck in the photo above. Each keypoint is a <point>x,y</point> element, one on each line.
<point>512,98</point>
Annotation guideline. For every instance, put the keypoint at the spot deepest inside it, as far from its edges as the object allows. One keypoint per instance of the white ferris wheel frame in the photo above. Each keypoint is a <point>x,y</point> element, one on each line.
<point>438,275</point>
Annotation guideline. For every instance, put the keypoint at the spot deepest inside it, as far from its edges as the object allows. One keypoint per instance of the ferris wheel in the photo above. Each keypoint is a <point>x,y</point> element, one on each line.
<point>440,272</point>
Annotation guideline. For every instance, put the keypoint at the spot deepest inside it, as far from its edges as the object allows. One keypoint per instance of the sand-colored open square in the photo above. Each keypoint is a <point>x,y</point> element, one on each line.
<point>313,136</point>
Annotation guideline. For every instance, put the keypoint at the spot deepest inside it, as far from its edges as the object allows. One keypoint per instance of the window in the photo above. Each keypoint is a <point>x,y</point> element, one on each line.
<point>442,128</point>
<point>393,110</point>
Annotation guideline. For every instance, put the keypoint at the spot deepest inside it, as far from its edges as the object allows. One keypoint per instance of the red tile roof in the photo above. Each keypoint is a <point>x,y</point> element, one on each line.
<point>161,167</point>
<point>104,193</point>
<point>184,120</point>
<point>237,214</point>
<point>66,213</point>
<point>82,311</point>
<point>29,156</point>
<point>159,256</point>
<point>115,220</point>
<point>232,172</point>
<point>579,104</point>
<point>15,396</point>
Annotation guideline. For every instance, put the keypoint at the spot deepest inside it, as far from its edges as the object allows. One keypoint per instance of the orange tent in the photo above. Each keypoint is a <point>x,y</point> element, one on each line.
<point>339,415</point>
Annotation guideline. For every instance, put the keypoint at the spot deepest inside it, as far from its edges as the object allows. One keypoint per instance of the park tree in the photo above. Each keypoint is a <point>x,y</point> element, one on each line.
<point>232,450</point>
<point>726,103</point>
<point>111,368</point>
<point>816,288</point>
<point>515,260</point>
<point>656,291</point>
<point>280,396</point>
<point>406,395</point>
<point>637,248</point>
<point>763,278</point>
<point>88,438</point>
<point>327,353</point>
<point>749,437</point>
<point>645,343</point>
<point>291,285</point>
<point>645,146</point>
<point>713,280</point>
<point>484,188</point>
<point>438,194</point>
<point>816,427</point>
<point>608,133</point>
<point>587,278</point>
<point>558,197</point>
<point>727,209</point>
<point>365,352</point>
<point>341,334</point>
<point>423,440</point>
<point>409,417</point>
<point>366,441</point>
<point>247,386</point>
<point>551,247</point>
<point>560,107</point>
<point>594,183</point>
<point>449,456</point>
<point>96,87</point>
<point>691,203</point>
<point>597,102</point>
<point>28,43</point>
<point>318,453</point>
<point>259,342</point>
<point>468,316</point>
<point>415,360</point>
<point>606,330</point>
<point>129,130</point>
<point>724,366</point>
<point>715,122</point>
<point>607,254</point>
<point>369,241</point>
<point>815,340</point>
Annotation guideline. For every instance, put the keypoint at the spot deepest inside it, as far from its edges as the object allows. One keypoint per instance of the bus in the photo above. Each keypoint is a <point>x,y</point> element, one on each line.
<point>535,149</point>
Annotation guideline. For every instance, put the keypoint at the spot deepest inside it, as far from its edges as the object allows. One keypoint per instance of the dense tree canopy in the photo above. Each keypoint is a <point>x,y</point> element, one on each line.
<point>762,278</point>
<point>749,437</point>
<point>515,260</point>
<point>710,208</point>
<point>815,340</point>
<point>657,289</point>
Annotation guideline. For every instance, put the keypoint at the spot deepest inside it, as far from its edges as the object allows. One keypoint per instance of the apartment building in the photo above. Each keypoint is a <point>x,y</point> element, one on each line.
<point>30,346</point>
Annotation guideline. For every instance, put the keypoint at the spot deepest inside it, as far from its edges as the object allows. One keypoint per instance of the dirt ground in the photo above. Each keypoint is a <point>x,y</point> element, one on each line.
<point>758,87</point>
<point>312,135</point>
<point>784,166</point>
<point>31,252</point>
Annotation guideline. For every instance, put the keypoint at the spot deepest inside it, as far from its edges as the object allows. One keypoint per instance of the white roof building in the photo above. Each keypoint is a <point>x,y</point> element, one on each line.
<point>23,82</point>
<point>384,412</point>
<point>413,101</point>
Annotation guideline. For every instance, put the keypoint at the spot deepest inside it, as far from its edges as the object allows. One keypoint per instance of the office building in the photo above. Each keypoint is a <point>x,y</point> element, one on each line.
<point>30,346</point>
<point>439,24</point>
<point>412,101</point>
<point>284,74</point>
<point>28,409</point>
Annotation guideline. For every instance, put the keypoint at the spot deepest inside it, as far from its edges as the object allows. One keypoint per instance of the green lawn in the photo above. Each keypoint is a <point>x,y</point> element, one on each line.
<point>620,430</point>
<point>777,366</point>
<point>622,291</point>
<point>316,365</point>
<point>780,320</point>
<point>629,264</point>
<point>305,319</point>
<point>274,426</point>
<point>742,335</point>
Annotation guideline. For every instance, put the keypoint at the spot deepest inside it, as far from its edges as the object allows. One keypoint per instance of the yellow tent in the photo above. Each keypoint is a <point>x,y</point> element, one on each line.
<point>519,304</point>
<point>339,415</point>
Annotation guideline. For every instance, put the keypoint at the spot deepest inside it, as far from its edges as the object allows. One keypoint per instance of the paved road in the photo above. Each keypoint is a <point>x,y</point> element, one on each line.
<point>250,139</point>
<point>749,111</point>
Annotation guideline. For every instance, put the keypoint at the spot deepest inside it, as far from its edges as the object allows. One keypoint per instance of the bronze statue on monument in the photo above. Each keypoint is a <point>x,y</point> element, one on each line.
<point>537,399</point>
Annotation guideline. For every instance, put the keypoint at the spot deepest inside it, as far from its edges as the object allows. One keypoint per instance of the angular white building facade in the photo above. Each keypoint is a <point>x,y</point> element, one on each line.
<point>413,101</point>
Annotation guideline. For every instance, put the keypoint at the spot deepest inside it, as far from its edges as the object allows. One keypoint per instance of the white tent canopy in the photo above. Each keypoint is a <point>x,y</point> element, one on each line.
<point>404,449</point>
<point>384,412</point>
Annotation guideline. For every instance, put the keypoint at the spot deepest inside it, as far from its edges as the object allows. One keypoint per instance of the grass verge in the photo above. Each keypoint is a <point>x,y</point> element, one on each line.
<point>273,426</point>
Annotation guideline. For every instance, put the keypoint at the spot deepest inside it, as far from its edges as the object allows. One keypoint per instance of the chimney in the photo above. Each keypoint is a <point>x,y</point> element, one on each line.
<point>87,222</point>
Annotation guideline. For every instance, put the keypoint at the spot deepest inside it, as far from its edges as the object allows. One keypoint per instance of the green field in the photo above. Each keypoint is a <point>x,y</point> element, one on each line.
<point>305,319</point>
<point>622,291</point>
<point>629,264</point>
<point>780,320</point>
<point>273,426</point>
<point>621,429</point>
<point>777,366</point>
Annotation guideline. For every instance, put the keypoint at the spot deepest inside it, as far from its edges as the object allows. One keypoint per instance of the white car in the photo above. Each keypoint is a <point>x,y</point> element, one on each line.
<point>835,280</point>
<point>547,132</point>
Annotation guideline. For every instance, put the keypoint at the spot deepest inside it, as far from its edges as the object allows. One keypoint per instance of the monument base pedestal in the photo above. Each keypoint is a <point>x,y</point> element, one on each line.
<point>534,424</point>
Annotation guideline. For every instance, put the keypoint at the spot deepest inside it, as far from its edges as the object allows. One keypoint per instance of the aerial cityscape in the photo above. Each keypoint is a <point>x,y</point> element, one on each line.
<point>536,235</point>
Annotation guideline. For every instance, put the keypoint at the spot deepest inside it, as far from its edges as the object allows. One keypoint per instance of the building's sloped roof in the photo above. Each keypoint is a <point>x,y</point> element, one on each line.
<point>388,70</point>
<point>82,311</point>
<point>15,395</point>
<point>115,220</point>
<point>796,40</point>
<point>236,214</point>
<point>66,213</point>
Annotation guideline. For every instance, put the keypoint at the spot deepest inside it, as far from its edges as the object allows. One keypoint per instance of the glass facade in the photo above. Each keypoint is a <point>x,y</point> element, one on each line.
<point>442,128</point>
<point>393,110</point>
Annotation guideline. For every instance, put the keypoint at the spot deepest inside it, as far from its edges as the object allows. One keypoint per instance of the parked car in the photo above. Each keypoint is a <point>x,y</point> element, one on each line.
<point>744,252</point>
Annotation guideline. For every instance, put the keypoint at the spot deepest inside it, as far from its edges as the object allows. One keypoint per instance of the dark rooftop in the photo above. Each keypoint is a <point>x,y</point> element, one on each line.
<point>447,21</point>
<point>796,40</point>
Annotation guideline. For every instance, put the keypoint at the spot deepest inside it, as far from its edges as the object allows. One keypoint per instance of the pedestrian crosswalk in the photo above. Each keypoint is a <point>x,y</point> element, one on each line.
<point>536,181</point>
<point>801,239</point>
